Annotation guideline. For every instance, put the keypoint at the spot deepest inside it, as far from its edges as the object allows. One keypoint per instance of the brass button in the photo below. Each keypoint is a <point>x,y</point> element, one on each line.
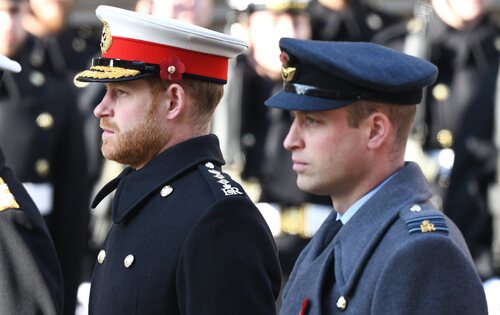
<point>374,21</point>
<point>129,260</point>
<point>441,92</point>
<point>101,256</point>
<point>45,120</point>
<point>414,26</point>
<point>37,78</point>
<point>167,190</point>
<point>341,303</point>
<point>445,138</point>
<point>42,167</point>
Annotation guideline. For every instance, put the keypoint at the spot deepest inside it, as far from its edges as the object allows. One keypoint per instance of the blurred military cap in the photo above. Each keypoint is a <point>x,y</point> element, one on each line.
<point>136,45</point>
<point>269,5</point>
<point>321,75</point>
<point>7,64</point>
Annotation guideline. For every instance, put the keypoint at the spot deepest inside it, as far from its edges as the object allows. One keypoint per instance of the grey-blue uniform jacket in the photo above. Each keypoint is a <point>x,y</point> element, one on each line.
<point>30,275</point>
<point>185,240</point>
<point>396,255</point>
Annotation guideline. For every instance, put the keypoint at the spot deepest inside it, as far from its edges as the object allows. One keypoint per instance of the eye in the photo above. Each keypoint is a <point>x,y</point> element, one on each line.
<point>120,92</point>
<point>311,120</point>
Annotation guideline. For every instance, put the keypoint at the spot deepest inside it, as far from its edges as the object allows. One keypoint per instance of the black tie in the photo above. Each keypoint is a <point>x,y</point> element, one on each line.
<point>330,234</point>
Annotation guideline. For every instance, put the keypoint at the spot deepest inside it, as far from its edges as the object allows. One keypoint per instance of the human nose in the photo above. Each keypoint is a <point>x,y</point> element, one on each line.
<point>103,109</point>
<point>293,140</point>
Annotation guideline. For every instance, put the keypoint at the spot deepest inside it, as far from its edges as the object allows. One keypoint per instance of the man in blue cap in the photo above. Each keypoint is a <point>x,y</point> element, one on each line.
<point>386,249</point>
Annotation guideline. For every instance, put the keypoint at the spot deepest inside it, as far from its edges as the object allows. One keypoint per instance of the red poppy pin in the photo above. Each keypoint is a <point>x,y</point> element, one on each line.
<point>305,307</point>
<point>172,69</point>
<point>284,58</point>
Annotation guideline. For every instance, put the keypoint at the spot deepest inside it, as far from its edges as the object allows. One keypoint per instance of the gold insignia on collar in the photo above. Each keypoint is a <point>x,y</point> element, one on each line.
<point>287,73</point>
<point>106,38</point>
<point>7,199</point>
<point>427,226</point>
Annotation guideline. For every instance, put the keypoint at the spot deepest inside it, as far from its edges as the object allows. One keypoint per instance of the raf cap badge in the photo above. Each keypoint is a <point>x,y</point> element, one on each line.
<point>287,72</point>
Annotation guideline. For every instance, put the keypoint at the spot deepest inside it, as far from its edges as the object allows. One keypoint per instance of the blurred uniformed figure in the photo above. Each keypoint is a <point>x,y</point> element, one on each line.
<point>452,137</point>
<point>41,136</point>
<point>31,276</point>
<point>264,164</point>
<point>197,12</point>
<point>185,238</point>
<point>347,20</point>
<point>385,249</point>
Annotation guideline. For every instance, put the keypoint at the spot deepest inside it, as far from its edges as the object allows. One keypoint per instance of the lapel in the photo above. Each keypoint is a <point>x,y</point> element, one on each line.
<point>358,239</point>
<point>132,187</point>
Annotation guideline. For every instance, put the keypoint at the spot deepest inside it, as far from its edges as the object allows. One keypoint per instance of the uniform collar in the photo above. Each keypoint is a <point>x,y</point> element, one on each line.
<point>133,186</point>
<point>369,225</point>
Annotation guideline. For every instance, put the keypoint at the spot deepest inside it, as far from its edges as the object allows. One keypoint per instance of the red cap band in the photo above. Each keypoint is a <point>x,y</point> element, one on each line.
<point>197,63</point>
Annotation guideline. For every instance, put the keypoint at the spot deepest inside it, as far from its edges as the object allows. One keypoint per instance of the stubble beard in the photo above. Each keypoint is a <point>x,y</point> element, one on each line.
<point>139,145</point>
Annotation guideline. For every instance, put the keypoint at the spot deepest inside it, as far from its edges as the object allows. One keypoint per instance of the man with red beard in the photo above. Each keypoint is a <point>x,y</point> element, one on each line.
<point>185,237</point>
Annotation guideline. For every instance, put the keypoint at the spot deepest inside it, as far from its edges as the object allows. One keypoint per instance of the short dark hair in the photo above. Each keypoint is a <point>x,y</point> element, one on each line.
<point>401,116</point>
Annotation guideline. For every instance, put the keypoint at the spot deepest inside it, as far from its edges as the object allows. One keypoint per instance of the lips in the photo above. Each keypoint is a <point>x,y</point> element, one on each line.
<point>298,165</point>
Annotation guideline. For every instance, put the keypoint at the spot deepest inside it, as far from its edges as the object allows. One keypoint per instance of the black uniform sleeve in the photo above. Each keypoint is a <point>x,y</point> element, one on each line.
<point>31,278</point>
<point>229,263</point>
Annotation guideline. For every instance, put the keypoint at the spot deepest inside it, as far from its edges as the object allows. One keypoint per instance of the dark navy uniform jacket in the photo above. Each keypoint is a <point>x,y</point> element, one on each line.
<point>31,281</point>
<point>185,240</point>
<point>41,134</point>
<point>396,255</point>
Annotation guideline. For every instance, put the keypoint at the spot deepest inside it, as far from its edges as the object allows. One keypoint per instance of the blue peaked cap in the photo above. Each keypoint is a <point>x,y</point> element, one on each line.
<point>321,75</point>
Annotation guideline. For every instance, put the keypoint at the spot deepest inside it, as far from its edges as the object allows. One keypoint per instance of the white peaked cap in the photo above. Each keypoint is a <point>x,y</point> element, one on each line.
<point>135,45</point>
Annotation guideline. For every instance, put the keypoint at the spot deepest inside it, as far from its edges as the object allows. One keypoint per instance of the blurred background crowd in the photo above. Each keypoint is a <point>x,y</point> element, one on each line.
<point>52,141</point>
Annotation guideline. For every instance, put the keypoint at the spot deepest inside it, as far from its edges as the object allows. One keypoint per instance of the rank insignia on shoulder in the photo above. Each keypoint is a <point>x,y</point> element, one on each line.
<point>425,224</point>
<point>7,199</point>
<point>223,183</point>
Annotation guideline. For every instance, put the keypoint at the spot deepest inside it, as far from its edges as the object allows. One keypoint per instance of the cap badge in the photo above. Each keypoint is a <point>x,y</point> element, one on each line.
<point>171,69</point>
<point>287,72</point>
<point>105,38</point>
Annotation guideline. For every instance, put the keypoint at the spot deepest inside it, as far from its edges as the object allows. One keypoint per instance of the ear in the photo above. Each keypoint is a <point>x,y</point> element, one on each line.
<point>176,100</point>
<point>378,129</point>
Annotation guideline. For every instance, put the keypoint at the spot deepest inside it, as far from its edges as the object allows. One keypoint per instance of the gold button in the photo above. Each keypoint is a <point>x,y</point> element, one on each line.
<point>45,120</point>
<point>37,78</point>
<point>101,256</point>
<point>42,167</point>
<point>374,21</point>
<point>129,260</point>
<point>341,303</point>
<point>441,92</point>
<point>414,26</point>
<point>165,191</point>
<point>445,138</point>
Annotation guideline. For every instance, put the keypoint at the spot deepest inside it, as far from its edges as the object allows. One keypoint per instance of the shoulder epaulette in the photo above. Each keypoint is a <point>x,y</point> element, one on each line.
<point>423,219</point>
<point>222,185</point>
